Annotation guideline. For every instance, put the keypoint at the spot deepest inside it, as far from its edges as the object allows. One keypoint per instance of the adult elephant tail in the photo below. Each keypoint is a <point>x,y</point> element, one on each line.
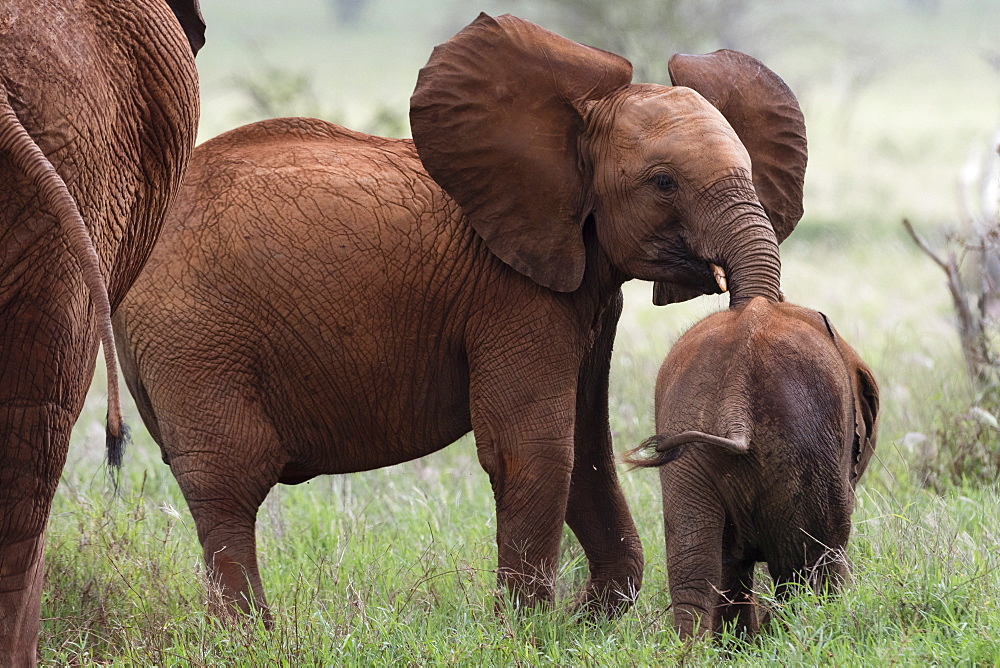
<point>25,155</point>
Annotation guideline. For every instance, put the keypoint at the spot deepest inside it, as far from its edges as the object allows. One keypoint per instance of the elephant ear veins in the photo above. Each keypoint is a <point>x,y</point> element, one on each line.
<point>765,115</point>
<point>496,121</point>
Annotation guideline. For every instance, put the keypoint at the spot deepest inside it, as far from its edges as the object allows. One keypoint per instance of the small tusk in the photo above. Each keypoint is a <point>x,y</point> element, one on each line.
<point>720,276</point>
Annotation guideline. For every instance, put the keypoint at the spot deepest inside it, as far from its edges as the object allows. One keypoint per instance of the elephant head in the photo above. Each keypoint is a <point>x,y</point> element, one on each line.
<point>533,135</point>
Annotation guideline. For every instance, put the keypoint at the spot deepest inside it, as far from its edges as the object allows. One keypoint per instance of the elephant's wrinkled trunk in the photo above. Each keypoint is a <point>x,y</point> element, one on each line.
<point>748,251</point>
<point>754,268</point>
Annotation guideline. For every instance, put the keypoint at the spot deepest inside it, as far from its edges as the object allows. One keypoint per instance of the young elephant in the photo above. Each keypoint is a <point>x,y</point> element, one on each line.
<point>767,419</point>
<point>325,301</point>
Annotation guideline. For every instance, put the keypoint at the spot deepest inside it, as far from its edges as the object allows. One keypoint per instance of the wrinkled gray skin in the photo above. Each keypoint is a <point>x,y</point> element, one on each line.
<point>98,113</point>
<point>325,301</point>
<point>765,420</point>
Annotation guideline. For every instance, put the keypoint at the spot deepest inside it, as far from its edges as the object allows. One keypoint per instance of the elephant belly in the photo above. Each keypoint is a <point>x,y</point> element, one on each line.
<point>358,420</point>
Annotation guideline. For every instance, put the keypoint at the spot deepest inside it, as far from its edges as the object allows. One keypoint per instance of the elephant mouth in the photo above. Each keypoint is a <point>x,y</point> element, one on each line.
<point>678,265</point>
<point>681,275</point>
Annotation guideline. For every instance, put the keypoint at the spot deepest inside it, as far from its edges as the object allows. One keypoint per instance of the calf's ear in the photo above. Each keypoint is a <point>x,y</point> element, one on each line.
<point>188,12</point>
<point>497,116</point>
<point>866,401</point>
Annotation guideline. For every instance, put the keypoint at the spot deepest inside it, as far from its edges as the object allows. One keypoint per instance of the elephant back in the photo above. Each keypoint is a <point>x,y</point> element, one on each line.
<point>771,370</point>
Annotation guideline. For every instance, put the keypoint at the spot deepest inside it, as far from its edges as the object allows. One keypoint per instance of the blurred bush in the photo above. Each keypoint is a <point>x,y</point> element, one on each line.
<point>966,446</point>
<point>348,12</point>
<point>270,91</point>
<point>649,31</point>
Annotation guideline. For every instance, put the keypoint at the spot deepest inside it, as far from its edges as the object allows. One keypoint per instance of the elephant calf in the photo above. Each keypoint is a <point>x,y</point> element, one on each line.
<point>765,420</point>
<point>323,301</point>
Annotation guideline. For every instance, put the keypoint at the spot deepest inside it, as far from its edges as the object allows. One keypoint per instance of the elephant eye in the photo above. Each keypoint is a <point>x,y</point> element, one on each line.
<point>664,182</point>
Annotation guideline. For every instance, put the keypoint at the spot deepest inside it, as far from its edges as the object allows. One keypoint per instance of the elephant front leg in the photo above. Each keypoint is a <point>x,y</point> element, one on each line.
<point>524,439</point>
<point>597,511</point>
<point>33,444</point>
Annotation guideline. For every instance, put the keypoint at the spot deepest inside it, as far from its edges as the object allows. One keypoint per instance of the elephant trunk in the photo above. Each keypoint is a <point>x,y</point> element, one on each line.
<point>748,252</point>
<point>754,270</point>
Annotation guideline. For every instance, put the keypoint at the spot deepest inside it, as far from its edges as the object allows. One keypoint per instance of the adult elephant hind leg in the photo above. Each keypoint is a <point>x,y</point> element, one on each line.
<point>524,439</point>
<point>17,145</point>
<point>34,438</point>
<point>597,511</point>
<point>224,479</point>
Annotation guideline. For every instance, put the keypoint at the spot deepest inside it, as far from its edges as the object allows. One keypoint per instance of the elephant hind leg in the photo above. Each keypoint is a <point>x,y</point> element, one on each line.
<point>738,603</point>
<point>224,481</point>
<point>821,568</point>
<point>695,569</point>
<point>34,437</point>
<point>828,570</point>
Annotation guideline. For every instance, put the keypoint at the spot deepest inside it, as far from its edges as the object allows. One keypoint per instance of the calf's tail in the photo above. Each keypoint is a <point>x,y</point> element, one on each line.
<point>665,448</point>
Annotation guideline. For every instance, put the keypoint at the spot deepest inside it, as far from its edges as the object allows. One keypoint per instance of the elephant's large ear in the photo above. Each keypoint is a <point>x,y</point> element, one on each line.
<point>865,419</point>
<point>866,401</point>
<point>496,118</point>
<point>188,12</point>
<point>765,115</point>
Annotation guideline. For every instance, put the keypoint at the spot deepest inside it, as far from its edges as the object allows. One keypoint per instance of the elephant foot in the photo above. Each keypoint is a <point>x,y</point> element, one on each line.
<point>525,590</point>
<point>238,613</point>
<point>613,586</point>
<point>693,621</point>
<point>607,599</point>
<point>226,587</point>
<point>235,592</point>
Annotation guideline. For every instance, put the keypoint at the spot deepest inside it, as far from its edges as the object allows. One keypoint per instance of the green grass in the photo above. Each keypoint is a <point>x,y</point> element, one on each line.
<point>395,566</point>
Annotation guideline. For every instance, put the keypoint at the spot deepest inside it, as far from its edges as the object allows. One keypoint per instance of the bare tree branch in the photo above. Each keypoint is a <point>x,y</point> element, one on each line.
<point>923,245</point>
<point>970,326</point>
